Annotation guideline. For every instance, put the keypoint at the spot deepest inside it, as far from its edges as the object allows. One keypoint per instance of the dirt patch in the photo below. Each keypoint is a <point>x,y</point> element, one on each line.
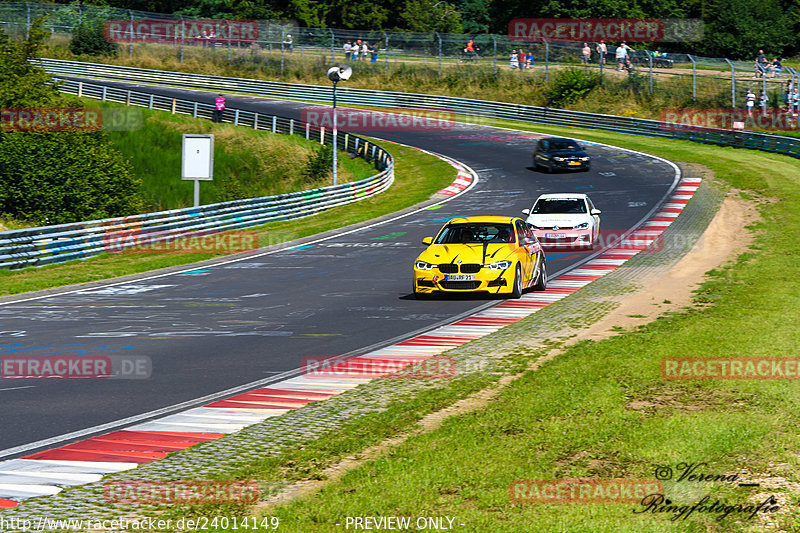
<point>724,239</point>
<point>687,399</point>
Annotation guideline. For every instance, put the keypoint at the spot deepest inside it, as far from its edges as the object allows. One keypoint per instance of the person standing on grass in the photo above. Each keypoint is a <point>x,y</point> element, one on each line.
<point>219,108</point>
<point>523,60</point>
<point>586,53</point>
<point>347,51</point>
<point>750,102</point>
<point>762,103</point>
<point>622,57</point>
<point>602,49</point>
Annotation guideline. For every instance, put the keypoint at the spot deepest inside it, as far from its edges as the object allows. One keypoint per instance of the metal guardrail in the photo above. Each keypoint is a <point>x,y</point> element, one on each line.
<point>473,108</point>
<point>65,242</point>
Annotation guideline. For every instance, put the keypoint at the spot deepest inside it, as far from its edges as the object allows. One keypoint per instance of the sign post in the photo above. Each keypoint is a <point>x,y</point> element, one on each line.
<point>197,160</point>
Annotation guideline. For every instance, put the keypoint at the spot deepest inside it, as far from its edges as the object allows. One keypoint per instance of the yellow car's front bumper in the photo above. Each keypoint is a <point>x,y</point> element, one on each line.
<point>485,280</point>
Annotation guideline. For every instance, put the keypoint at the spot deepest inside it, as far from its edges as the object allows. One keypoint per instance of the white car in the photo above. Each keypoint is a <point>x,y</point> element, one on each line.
<point>564,220</point>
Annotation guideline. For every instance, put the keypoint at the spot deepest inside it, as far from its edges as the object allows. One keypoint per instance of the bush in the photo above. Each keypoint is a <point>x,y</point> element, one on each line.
<point>55,177</point>
<point>570,85</point>
<point>59,177</point>
<point>319,164</point>
<point>89,39</point>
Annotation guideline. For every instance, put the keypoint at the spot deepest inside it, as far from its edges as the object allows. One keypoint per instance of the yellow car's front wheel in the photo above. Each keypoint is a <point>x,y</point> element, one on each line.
<point>516,291</point>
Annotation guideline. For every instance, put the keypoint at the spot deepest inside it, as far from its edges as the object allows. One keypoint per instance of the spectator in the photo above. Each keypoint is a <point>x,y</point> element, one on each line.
<point>212,38</point>
<point>796,101</point>
<point>219,108</point>
<point>762,66</point>
<point>750,101</point>
<point>513,60</point>
<point>776,66</point>
<point>529,60</point>
<point>288,43</point>
<point>602,50</point>
<point>622,57</point>
<point>523,60</point>
<point>354,50</point>
<point>586,53</point>
<point>762,102</point>
<point>348,50</point>
<point>364,50</point>
<point>374,52</point>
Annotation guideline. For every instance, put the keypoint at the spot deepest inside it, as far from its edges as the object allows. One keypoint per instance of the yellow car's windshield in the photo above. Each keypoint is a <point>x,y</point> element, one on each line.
<point>476,232</point>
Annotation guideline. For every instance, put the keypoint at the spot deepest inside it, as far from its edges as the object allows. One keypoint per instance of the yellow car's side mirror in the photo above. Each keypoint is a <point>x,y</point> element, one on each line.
<point>427,241</point>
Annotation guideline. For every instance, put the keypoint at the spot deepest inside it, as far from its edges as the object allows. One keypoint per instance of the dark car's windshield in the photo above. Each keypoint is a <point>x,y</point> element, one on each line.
<point>550,206</point>
<point>563,145</point>
<point>476,232</point>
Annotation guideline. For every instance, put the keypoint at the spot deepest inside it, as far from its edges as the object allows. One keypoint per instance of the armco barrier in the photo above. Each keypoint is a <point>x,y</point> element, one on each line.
<point>64,242</point>
<point>476,108</point>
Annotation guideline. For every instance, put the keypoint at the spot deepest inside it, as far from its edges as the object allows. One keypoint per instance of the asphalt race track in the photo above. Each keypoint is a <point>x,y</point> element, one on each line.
<point>213,328</point>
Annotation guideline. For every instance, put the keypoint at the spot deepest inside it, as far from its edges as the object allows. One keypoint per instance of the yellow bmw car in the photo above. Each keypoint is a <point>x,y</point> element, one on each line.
<point>499,255</point>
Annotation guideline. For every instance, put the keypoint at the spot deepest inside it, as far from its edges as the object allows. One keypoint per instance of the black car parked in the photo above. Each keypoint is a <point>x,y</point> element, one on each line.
<point>560,153</point>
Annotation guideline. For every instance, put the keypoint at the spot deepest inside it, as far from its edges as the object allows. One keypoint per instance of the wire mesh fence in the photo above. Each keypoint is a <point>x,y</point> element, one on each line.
<point>707,81</point>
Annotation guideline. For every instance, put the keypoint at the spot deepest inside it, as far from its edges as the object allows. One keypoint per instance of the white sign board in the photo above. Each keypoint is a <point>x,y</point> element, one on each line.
<point>197,160</point>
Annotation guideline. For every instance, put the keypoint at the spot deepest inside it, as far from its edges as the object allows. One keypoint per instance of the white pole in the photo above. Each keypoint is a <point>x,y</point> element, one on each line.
<point>196,193</point>
<point>334,133</point>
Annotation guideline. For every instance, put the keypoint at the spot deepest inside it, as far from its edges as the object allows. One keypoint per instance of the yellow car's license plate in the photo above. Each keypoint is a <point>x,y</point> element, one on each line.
<point>459,277</point>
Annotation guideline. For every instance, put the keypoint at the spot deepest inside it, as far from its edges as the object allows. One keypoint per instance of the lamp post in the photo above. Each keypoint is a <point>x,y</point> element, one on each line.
<point>337,74</point>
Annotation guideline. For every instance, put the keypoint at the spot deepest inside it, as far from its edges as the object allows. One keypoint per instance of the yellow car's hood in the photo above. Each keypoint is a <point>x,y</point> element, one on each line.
<point>468,253</point>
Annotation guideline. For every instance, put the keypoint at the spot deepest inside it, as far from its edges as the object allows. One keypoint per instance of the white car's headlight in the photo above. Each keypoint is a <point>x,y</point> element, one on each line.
<point>585,225</point>
<point>584,158</point>
<point>500,265</point>
<point>422,265</point>
<point>558,158</point>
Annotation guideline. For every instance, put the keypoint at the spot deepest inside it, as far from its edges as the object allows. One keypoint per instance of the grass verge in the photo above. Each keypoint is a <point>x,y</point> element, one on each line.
<point>601,409</point>
<point>417,176</point>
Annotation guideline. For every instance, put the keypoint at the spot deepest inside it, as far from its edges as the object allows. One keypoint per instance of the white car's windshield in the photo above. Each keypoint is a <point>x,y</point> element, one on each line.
<point>552,206</point>
<point>476,233</point>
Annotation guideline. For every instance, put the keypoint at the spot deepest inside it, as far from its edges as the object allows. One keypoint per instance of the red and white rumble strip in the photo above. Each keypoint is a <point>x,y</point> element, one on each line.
<point>47,472</point>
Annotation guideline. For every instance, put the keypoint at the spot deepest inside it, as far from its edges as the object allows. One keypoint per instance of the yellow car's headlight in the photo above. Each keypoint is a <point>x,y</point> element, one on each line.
<point>422,265</point>
<point>500,265</point>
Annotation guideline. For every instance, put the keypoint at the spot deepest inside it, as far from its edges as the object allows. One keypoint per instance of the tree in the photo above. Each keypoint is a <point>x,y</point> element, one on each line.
<point>89,38</point>
<point>474,15</point>
<point>737,29</point>
<point>54,176</point>
<point>430,16</point>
